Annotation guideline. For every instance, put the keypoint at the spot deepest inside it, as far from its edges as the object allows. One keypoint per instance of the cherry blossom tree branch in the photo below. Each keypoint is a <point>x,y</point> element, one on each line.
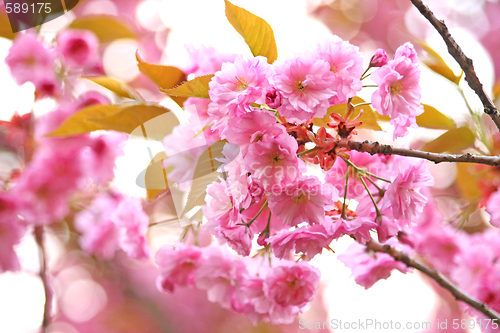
<point>436,276</point>
<point>465,63</point>
<point>378,148</point>
<point>47,317</point>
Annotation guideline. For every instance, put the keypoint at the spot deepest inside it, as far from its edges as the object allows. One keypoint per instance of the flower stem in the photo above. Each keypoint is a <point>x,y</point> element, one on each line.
<point>345,193</point>
<point>308,151</point>
<point>379,213</point>
<point>248,224</point>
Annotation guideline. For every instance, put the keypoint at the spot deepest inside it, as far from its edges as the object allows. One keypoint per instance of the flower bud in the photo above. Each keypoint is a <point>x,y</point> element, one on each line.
<point>379,59</point>
<point>273,98</point>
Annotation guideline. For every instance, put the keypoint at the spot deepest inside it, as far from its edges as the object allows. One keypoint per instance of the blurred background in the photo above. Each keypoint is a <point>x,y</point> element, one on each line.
<point>120,295</point>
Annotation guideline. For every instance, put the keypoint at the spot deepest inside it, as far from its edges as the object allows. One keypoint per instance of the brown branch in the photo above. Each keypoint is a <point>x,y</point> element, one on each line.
<point>436,276</point>
<point>45,280</point>
<point>465,63</point>
<point>378,148</point>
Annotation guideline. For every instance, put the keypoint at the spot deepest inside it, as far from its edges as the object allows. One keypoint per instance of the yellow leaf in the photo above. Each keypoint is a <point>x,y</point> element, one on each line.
<point>120,88</point>
<point>165,77</point>
<point>108,117</point>
<point>436,63</point>
<point>207,162</point>
<point>432,118</point>
<point>453,141</point>
<point>256,32</point>
<point>131,117</point>
<point>467,181</point>
<point>496,90</point>
<point>106,27</point>
<point>197,87</point>
<point>155,177</point>
<point>5,28</point>
<point>205,173</point>
<point>368,118</point>
<point>78,123</point>
<point>198,191</point>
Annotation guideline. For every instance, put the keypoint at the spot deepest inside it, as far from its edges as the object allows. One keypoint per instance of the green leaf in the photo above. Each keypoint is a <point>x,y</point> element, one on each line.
<point>256,32</point>
<point>453,141</point>
<point>368,118</point>
<point>120,88</point>
<point>106,27</point>
<point>197,87</point>
<point>5,28</point>
<point>165,77</point>
<point>432,118</point>
<point>436,63</point>
<point>107,117</point>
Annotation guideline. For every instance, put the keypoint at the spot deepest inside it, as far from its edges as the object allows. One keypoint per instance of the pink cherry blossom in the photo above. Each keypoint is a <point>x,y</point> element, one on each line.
<point>346,64</point>
<point>273,162</point>
<point>113,222</point>
<point>221,275</point>
<point>177,266</point>
<point>30,59</point>
<point>306,86</point>
<point>368,268</point>
<point>205,60</point>
<point>307,240</point>
<point>303,201</point>
<point>293,284</point>
<point>237,85</point>
<point>493,208</point>
<point>239,238</point>
<point>359,228</point>
<point>11,232</point>
<point>403,193</point>
<point>221,209</point>
<point>398,95</point>
<point>99,158</point>
<point>251,127</point>
<point>79,48</point>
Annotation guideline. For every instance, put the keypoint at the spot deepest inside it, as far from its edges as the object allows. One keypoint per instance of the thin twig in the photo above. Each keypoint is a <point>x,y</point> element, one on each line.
<point>378,148</point>
<point>44,276</point>
<point>465,63</point>
<point>436,276</point>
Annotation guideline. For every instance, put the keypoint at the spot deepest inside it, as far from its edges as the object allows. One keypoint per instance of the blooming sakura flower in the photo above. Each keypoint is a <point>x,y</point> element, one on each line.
<point>493,208</point>
<point>251,127</point>
<point>403,192</point>
<point>308,240</point>
<point>220,274</point>
<point>238,238</point>
<point>99,158</point>
<point>11,232</point>
<point>368,268</point>
<point>359,228</point>
<point>132,223</point>
<point>379,59</point>
<point>346,64</point>
<point>273,162</point>
<point>205,60</point>
<point>306,86</point>
<point>303,201</point>
<point>237,85</point>
<point>90,98</point>
<point>30,59</point>
<point>79,48</point>
<point>177,266</point>
<point>398,94</point>
<point>113,221</point>
<point>294,284</point>
<point>221,209</point>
